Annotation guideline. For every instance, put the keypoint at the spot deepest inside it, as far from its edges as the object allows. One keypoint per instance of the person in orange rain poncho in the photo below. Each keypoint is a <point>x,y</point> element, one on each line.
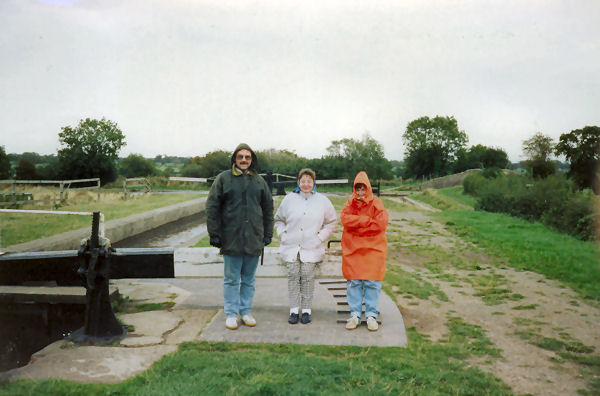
<point>364,249</point>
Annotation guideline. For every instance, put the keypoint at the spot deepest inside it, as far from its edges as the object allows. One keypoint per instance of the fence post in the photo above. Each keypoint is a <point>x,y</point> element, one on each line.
<point>62,186</point>
<point>14,194</point>
<point>98,189</point>
<point>125,189</point>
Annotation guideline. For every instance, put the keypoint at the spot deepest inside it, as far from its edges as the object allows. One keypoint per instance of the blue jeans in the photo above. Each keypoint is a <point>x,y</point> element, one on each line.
<point>238,299</point>
<point>356,290</point>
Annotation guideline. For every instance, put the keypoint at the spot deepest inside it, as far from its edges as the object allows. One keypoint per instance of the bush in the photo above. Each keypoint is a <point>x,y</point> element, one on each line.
<point>135,165</point>
<point>474,184</point>
<point>552,201</point>
<point>491,173</point>
<point>192,170</point>
<point>575,216</point>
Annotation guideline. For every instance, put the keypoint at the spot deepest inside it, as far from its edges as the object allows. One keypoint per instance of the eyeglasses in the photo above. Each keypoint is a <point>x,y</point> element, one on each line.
<point>241,157</point>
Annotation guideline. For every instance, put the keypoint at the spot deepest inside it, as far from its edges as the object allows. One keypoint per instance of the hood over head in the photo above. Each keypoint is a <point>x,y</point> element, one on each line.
<point>362,178</point>
<point>244,146</point>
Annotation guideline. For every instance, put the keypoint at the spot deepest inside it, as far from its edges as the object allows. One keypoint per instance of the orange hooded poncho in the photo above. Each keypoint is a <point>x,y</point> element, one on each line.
<point>364,245</point>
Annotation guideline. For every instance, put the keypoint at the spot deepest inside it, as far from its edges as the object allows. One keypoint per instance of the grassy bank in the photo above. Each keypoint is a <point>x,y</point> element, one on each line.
<point>22,227</point>
<point>527,246</point>
<point>423,368</point>
<point>531,247</point>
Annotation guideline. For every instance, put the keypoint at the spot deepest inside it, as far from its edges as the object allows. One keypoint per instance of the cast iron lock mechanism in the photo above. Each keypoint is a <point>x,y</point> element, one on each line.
<point>94,270</point>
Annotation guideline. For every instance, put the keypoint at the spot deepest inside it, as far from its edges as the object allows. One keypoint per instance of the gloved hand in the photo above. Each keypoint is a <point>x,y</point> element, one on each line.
<point>215,241</point>
<point>266,241</point>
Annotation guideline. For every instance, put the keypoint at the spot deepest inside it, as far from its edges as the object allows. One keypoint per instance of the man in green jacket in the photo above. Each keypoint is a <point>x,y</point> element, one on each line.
<point>239,218</point>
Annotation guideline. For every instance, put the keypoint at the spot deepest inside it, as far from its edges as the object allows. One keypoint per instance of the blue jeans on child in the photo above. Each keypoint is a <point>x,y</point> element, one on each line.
<point>356,290</point>
<point>238,299</point>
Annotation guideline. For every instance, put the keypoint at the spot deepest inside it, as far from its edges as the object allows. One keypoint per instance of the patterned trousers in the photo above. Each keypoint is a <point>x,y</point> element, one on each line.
<point>301,283</point>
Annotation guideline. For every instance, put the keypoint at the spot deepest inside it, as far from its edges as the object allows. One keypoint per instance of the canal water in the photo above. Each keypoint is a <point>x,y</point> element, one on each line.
<point>185,232</point>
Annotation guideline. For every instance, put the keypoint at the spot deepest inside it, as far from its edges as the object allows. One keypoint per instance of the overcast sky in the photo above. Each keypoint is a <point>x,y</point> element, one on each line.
<point>185,77</point>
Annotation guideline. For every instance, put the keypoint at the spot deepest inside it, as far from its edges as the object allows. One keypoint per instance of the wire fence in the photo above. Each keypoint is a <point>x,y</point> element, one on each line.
<point>18,193</point>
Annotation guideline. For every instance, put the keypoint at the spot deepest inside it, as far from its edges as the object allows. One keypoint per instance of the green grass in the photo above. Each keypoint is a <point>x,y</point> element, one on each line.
<point>569,349</point>
<point>495,295</point>
<point>457,195</point>
<point>399,207</point>
<point>410,284</point>
<point>471,336</point>
<point>532,247</point>
<point>528,306</point>
<point>422,368</point>
<point>204,242</point>
<point>441,199</point>
<point>22,227</point>
<point>338,201</point>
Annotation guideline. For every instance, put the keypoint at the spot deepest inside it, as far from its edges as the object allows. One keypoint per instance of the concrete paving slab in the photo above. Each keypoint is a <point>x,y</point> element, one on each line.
<point>207,262</point>
<point>194,321</point>
<point>271,311</point>
<point>150,327</point>
<point>64,360</point>
<point>150,292</point>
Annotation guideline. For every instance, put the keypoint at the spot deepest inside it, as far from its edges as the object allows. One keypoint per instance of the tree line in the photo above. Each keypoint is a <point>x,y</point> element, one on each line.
<point>433,147</point>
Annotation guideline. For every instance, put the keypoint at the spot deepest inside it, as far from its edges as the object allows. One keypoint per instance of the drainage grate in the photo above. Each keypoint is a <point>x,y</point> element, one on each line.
<point>341,300</point>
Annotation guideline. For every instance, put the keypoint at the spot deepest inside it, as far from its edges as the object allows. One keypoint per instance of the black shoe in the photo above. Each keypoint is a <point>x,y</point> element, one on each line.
<point>293,318</point>
<point>305,318</point>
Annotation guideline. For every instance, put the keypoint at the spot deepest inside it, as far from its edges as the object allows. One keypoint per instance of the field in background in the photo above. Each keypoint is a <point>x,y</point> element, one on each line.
<point>23,227</point>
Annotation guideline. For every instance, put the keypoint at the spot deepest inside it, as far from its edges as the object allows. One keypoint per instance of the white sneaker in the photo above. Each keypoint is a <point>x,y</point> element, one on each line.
<point>372,324</point>
<point>352,323</point>
<point>231,323</point>
<point>249,320</point>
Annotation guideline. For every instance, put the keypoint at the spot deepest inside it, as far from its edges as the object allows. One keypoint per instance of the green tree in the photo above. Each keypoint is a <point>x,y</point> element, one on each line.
<point>436,141</point>
<point>425,161</point>
<point>480,156</point>
<point>192,170</point>
<point>365,154</point>
<point>50,170</point>
<point>538,149</point>
<point>34,158</point>
<point>280,161</point>
<point>208,165</point>
<point>539,146</point>
<point>90,150</point>
<point>135,165</point>
<point>25,170</point>
<point>581,147</point>
<point>329,167</point>
<point>4,164</point>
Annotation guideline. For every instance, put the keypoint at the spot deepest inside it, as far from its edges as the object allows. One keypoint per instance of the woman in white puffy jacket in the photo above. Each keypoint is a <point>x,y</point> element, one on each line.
<point>305,220</point>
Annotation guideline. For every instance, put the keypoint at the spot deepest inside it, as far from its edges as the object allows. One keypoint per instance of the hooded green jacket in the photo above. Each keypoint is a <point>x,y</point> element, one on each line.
<point>239,209</point>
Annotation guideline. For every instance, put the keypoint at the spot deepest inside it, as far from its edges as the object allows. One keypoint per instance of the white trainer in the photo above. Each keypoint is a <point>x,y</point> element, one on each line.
<point>372,324</point>
<point>249,320</point>
<point>352,323</point>
<point>231,323</point>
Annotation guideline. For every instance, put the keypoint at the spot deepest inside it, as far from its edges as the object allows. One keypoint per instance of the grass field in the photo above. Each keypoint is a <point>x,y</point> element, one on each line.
<point>22,227</point>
